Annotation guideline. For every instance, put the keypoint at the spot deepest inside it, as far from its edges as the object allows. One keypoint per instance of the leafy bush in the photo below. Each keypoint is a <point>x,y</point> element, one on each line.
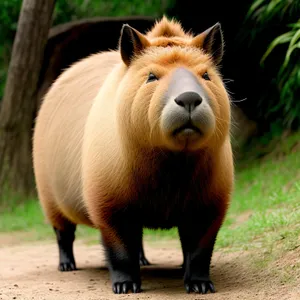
<point>276,17</point>
<point>76,9</point>
<point>288,78</point>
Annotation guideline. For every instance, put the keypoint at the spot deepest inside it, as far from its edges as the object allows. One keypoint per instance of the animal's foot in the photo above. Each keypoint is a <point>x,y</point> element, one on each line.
<point>125,287</point>
<point>144,261</point>
<point>199,286</point>
<point>67,266</point>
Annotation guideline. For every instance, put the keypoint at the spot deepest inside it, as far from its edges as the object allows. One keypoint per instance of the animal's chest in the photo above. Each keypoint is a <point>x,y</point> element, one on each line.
<point>165,197</point>
<point>161,205</point>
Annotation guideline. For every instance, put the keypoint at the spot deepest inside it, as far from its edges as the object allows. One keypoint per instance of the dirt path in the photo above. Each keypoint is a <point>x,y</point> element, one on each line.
<point>29,272</point>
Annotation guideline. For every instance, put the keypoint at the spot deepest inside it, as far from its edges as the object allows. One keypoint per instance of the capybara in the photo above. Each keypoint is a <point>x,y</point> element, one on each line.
<point>135,138</point>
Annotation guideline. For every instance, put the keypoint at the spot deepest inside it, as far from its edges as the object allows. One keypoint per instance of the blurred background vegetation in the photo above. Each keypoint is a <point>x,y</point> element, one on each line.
<point>263,53</point>
<point>272,31</point>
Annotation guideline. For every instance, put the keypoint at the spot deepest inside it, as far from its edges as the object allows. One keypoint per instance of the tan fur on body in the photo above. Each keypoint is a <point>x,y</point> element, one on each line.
<point>98,143</point>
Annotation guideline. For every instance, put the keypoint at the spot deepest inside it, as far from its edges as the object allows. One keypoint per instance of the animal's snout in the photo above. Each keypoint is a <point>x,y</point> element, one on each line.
<point>187,117</point>
<point>188,100</point>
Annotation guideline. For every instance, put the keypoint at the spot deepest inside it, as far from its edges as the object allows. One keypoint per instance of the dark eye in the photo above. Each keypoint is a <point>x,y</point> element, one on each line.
<point>205,76</point>
<point>151,78</point>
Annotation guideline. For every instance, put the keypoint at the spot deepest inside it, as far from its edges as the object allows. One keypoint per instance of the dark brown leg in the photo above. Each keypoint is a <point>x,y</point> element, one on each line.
<point>197,240</point>
<point>122,240</point>
<point>65,239</point>
<point>143,260</point>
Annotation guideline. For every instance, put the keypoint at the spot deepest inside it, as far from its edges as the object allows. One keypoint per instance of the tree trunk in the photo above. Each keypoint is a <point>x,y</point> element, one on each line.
<point>19,101</point>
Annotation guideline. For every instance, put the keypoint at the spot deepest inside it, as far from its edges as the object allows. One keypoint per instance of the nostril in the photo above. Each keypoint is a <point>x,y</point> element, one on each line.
<point>188,100</point>
<point>198,102</point>
<point>179,102</point>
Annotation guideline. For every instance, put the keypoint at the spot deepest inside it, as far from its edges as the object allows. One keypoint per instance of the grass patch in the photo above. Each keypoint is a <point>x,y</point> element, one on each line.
<point>264,212</point>
<point>271,191</point>
<point>28,218</point>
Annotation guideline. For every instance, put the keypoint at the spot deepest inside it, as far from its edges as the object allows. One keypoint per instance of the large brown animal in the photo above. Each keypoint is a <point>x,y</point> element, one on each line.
<point>139,137</point>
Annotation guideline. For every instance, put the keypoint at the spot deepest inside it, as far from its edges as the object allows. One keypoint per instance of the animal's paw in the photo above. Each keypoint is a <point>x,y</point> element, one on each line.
<point>67,266</point>
<point>144,261</point>
<point>125,287</point>
<point>199,286</point>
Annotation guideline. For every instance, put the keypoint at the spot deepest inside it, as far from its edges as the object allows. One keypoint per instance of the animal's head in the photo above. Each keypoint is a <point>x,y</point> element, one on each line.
<point>172,95</point>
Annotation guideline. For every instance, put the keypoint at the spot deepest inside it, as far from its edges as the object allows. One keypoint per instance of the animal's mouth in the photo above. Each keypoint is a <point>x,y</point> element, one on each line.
<point>187,129</point>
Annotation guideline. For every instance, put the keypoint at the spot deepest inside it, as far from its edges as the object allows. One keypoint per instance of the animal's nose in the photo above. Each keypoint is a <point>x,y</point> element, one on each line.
<point>189,100</point>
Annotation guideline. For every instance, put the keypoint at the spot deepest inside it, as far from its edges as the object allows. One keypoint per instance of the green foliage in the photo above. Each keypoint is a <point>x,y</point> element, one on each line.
<point>263,12</point>
<point>9,12</point>
<point>277,16</point>
<point>76,9</point>
<point>288,78</point>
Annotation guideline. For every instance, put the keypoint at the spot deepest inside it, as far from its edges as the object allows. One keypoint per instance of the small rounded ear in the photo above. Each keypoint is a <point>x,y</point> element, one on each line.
<point>131,43</point>
<point>211,41</point>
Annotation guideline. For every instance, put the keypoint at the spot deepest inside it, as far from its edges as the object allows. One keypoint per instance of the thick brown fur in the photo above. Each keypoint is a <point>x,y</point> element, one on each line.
<point>100,157</point>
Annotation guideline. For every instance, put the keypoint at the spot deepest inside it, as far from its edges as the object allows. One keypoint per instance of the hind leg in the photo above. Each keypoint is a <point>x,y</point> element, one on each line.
<point>65,239</point>
<point>143,260</point>
<point>64,231</point>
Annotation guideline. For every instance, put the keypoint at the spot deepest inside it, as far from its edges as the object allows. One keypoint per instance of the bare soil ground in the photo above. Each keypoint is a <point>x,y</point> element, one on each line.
<point>29,271</point>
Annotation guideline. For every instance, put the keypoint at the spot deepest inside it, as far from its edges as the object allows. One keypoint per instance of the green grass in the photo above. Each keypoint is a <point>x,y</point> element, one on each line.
<point>267,194</point>
<point>28,218</point>
<point>269,191</point>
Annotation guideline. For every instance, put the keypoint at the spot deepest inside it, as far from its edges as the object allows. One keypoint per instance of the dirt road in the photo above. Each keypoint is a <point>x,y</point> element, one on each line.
<point>29,271</point>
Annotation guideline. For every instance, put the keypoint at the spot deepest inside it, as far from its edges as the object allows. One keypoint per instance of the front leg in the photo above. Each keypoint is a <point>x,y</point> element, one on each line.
<point>198,239</point>
<point>121,240</point>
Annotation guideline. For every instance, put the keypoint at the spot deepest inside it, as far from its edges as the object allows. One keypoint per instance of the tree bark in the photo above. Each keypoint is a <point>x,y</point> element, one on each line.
<point>19,101</point>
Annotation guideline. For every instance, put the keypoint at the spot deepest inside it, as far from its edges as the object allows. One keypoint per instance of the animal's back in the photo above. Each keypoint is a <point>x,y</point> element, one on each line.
<point>59,132</point>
